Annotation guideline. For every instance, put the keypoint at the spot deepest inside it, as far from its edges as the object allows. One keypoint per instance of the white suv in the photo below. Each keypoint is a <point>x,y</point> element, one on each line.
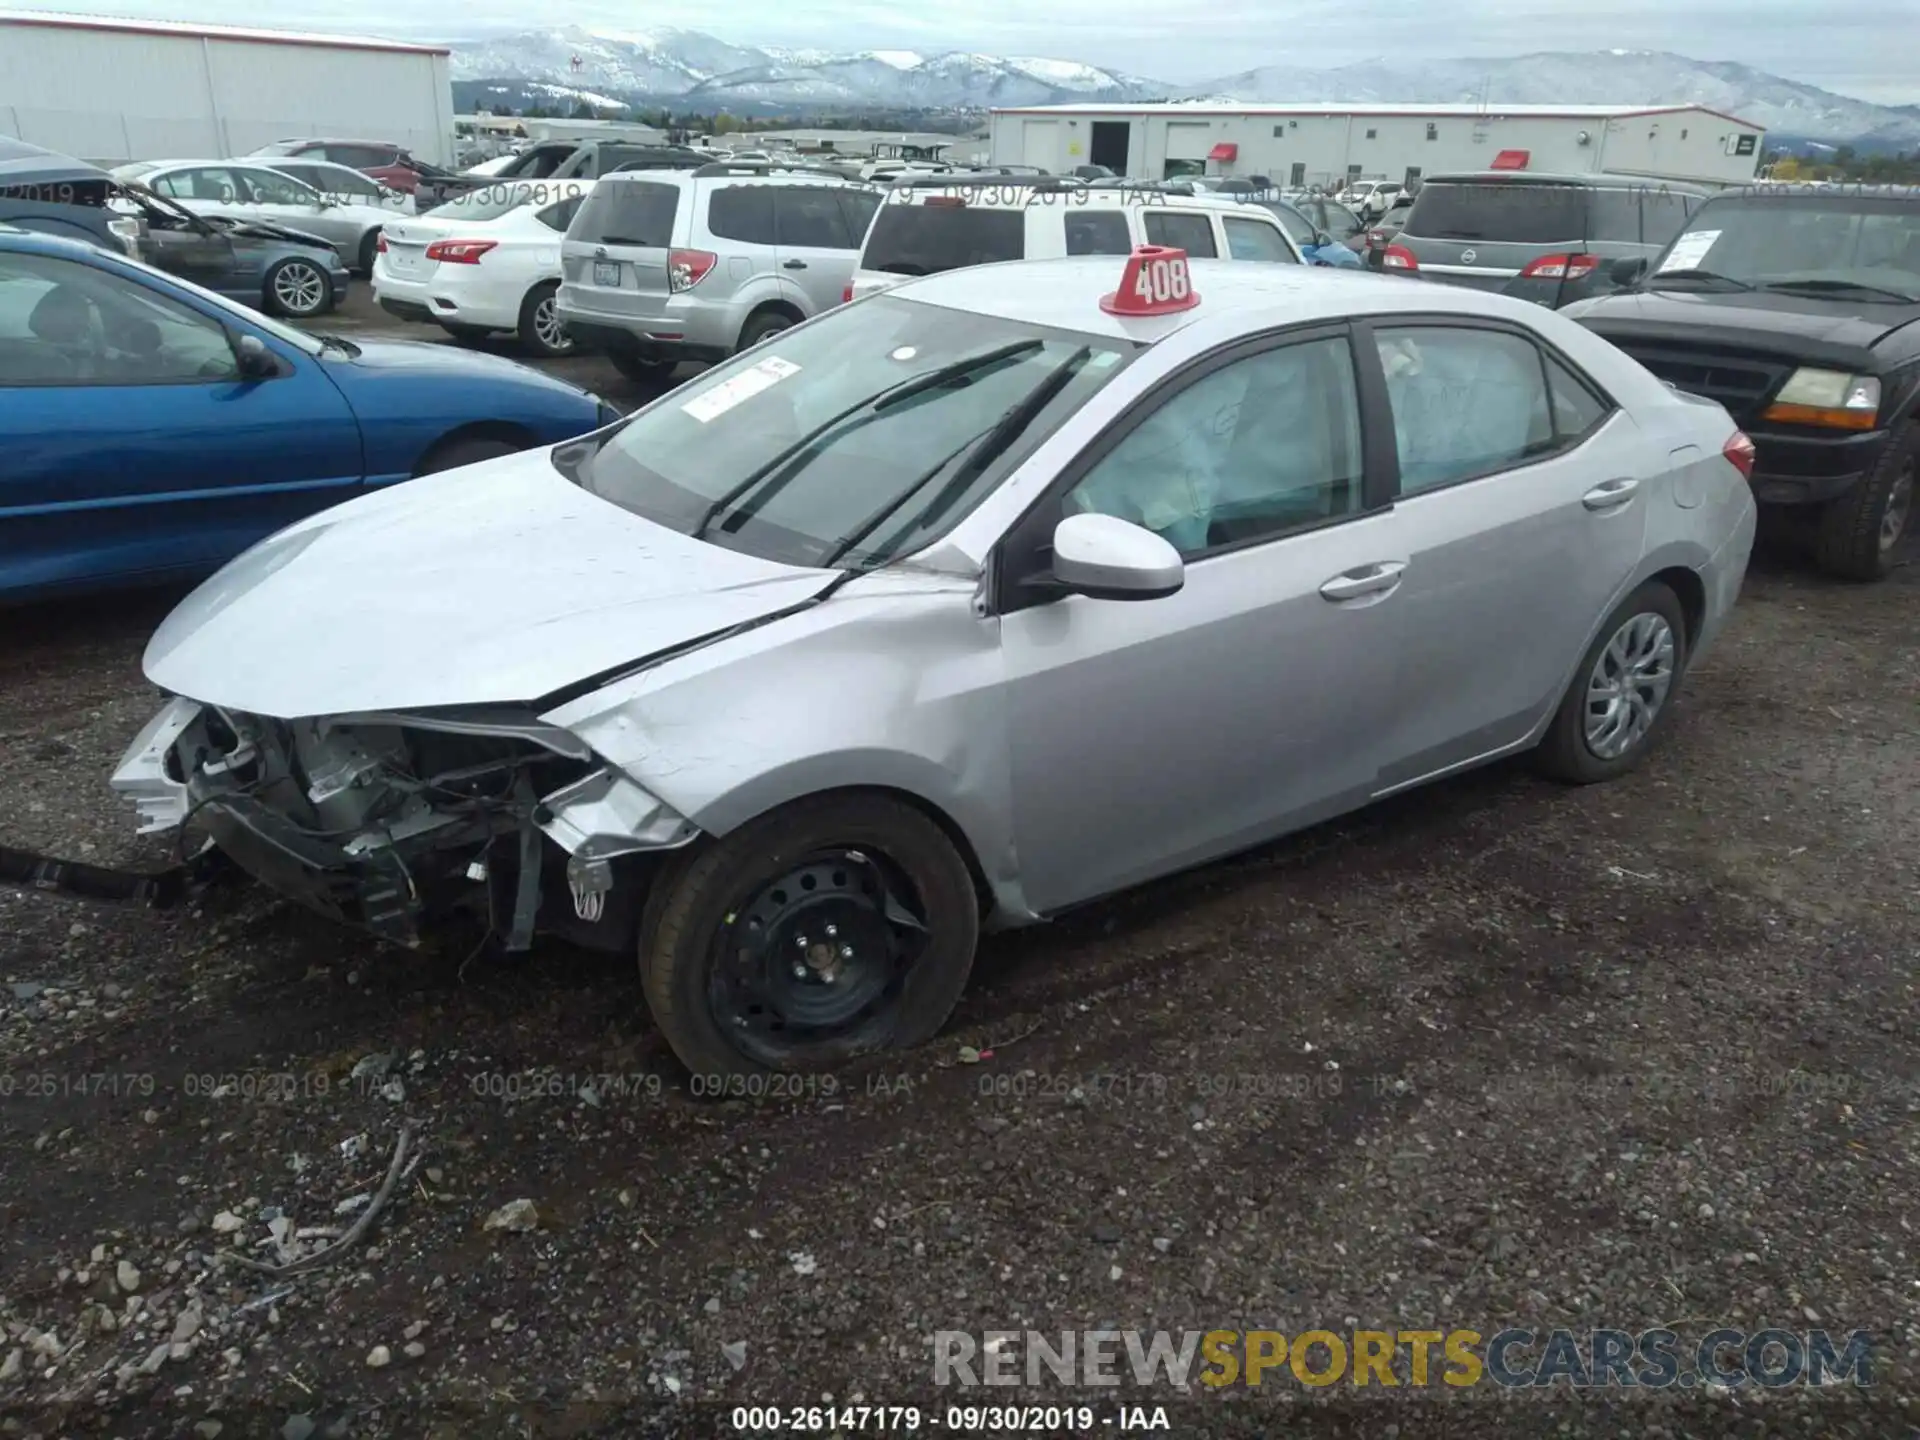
<point>661,266</point>
<point>930,227</point>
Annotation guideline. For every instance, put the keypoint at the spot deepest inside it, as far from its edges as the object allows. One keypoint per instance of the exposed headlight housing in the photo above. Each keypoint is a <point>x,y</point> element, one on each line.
<point>1831,398</point>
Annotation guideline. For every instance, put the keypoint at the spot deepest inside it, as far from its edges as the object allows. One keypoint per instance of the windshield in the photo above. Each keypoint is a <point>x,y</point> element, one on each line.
<point>490,202</point>
<point>1866,247</point>
<point>1520,214</point>
<point>854,438</point>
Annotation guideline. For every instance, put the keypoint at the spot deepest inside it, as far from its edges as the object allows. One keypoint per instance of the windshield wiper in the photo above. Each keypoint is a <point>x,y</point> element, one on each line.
<point>786,464</point>
<point>986,446</point>
<point>1850,287</point>
<point>1691,273</point>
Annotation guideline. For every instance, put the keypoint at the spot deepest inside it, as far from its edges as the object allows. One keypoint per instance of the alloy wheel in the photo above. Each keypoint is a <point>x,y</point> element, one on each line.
<point>299,288</point>
<point>547,327</point>
<point>1629,684</point>
<point>815,959</point>
<point>1893,519</point>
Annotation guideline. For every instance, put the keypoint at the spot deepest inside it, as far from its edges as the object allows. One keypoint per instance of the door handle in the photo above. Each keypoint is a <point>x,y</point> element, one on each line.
<point>1610,494</point>
<point>794,265</point>
<point>1365,580</point>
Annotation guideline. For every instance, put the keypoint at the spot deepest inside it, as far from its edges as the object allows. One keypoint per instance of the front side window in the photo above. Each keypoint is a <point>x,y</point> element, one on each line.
<point>1188,232</point>
<point>1297,225</point>
<point>67,324</point>
<point>1576,409</point>
<point>1258,448</point>
<point>558,217</point>
<point>1465,403</point>
<point>217,186</point>
<point>1256,240</point>
<point>857,437</point>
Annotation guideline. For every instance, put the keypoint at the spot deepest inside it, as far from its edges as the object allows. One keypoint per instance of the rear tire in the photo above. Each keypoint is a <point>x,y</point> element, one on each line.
<point>298,289</point>
<point>639,368</point>
<point>369,248</point>
<point>452,454</point>
<point>540,328</point>
<point>1616,708</point>
<point>1860,531</point>
<point>730,923</point>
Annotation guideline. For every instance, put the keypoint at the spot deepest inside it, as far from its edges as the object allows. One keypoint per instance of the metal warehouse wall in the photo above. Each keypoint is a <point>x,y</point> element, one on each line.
<point>1320,148</point>
<point>111,96</point>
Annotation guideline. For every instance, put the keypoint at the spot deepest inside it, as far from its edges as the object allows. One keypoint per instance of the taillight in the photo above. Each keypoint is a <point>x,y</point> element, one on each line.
<point>1561,267</point>
<point>687,268</point>
<point>380,245</point>
<point>1398,257</point>
<point>1739,450</point>
<point>460,252</point>
<point>846,295</point>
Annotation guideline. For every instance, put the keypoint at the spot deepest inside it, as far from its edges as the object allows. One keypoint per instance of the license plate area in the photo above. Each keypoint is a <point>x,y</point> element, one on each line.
<point>607,272</point>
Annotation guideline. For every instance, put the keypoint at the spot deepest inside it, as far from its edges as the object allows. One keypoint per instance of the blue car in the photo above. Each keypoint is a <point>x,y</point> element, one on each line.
<point>150,429</point>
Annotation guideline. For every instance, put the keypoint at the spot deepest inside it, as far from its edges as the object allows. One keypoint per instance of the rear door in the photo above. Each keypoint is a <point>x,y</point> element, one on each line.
<point>1483,233</point>
<point>1524,492</point>
<point>817,249</point>
<point>615,256</point>
<point>133,445</point>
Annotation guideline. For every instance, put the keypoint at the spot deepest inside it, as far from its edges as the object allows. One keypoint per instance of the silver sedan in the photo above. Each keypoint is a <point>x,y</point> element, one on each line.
<point>954,607</point>
<point>244,190</point>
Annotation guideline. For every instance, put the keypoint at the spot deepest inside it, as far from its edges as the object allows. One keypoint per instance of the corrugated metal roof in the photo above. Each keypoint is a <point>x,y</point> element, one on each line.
<point>128,25</point>
<point>1219,108</point>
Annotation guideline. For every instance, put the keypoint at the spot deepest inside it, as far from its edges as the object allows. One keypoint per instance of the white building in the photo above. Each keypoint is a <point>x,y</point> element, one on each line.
<point>110,90</point>
<point>1324,144</point>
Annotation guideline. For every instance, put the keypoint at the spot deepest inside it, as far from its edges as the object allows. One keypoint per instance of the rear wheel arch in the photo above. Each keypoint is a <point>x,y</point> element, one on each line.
<point>1691,591</point>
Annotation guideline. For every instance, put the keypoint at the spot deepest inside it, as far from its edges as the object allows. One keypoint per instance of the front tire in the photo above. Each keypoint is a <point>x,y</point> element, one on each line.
<point>540,327</point>
<point>1616,708</point>
<point>830,928</point>
<point>640,369</point>
<point>1859,532</point>
<point>298,289</point>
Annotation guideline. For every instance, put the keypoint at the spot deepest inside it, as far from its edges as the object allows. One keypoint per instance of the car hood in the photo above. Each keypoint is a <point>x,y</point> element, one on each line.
<point>497,583</point>
<point>266,230</point>
<point>1795,326</point>
<point>385,362</point>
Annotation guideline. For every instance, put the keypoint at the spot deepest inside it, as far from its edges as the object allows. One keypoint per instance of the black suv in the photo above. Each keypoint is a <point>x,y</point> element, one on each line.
<point>1795,307</point>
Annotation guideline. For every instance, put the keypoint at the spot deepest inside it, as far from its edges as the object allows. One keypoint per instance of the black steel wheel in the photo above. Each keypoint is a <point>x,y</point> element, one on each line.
<point>831,928</point>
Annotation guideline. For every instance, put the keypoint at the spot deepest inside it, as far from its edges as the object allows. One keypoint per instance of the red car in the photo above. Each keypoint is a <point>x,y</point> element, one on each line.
<point>391,165</point>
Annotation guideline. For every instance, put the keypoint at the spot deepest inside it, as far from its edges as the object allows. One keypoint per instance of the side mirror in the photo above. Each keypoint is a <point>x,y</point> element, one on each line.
<point>1628,271</point>
<point>255,360</point>
<point>1108,558</point>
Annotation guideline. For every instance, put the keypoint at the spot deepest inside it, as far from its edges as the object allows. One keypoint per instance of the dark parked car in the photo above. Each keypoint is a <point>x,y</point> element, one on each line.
<point>1381,233</point>
<point>154,429</point>
<point>271,267</point>
<point>1546,238</point>
<point>1798,309</point>
<point>58,195</point>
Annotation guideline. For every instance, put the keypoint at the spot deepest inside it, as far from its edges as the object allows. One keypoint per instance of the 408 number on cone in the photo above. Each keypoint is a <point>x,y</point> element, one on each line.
<point>1160,281</point>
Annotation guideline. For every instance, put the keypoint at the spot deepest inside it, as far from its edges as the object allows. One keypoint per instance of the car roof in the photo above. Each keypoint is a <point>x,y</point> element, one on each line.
<point>1065,294</point>
<point>38,242</point>
<point>1594,181</point>
<point>1012,194</point>
<point>776,177</point>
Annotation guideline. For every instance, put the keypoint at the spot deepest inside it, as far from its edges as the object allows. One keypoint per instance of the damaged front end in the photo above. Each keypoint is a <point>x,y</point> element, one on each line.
<point>391,821</point>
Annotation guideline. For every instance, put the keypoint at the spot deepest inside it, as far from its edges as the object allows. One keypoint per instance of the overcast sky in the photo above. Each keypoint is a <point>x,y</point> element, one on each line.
<point>1866,50</point>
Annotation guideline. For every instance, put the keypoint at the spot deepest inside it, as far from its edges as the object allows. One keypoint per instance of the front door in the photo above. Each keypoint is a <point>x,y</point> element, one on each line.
<point>134,447</point>
<point>1521,496</point>
<point>1148,736</point>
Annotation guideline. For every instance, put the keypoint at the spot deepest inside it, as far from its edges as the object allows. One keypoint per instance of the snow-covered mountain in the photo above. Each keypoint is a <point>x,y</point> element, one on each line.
<point>700,71</point>
<point>1604,77</point>
<point>694,69</point>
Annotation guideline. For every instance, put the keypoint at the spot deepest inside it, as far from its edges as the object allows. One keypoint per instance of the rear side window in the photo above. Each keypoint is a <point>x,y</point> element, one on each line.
<point>1098,232</point>
<point>1191,233</point>
<point>808,216</point>
<point>1614,215</point>
<point>559,217</point>
<point>927,239</point>
<point>628,212</point>
<point>1518,214</point>
<point>360,157</point>
<point>743,213</point>
<point>1663,215</point>
<point>1576,409</point>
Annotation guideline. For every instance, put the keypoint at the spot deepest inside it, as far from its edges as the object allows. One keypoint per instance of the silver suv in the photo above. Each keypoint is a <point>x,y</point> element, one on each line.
<point>664,266</point>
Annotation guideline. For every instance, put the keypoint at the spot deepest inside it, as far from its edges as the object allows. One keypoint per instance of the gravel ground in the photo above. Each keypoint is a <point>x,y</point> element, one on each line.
<point>1497,1053</point>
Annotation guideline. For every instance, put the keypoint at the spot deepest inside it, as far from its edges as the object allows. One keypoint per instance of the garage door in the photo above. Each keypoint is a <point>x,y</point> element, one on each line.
<point>1188,140</point>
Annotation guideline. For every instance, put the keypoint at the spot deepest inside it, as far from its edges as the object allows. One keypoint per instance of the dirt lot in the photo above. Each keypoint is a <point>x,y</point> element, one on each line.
<point>1498,1053</point>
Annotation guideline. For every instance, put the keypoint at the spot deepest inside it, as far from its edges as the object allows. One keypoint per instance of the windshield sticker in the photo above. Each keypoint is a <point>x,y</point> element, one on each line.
<point>1689,250</point>
<point>744,386</point>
